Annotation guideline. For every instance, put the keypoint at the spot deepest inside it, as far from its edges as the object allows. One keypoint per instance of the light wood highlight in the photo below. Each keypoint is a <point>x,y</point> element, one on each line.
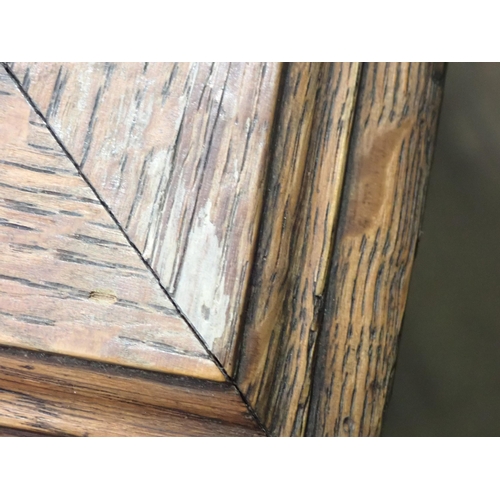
<point>300,211</point>
<point>178,152</point>
<point>390,157</point>
<point>70,282</point>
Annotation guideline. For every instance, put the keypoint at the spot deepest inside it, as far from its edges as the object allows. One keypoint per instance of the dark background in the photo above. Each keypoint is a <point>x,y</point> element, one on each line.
<point>447,380</point>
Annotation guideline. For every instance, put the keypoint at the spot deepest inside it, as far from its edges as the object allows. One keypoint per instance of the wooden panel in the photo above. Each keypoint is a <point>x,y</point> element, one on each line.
<point>58,395</point>
<point>69,281</point>
<point>288,281</point>
<point>389,161</point>
<point>177,151</point>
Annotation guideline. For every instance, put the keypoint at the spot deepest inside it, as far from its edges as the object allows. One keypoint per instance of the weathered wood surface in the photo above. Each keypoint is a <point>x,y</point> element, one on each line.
<point>295,244</point>
<point>69,281</point>
<point>389,160</point>
<point>58,395</point>
<point>188,161</point>
<point>177,151</point>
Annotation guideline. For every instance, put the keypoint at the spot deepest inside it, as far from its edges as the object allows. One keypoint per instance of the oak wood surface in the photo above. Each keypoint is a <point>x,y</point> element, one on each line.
<point>389,160</point>
<point>59,395</point>
<point>177,151</point>
<point>69,281</point>
<point>300,210</point>
<point>277,205</point>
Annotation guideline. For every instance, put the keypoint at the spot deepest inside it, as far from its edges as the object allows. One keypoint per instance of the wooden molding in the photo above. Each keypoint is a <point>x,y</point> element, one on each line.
<point>251,227</point>
<point>60,395</point>
<point>288,282</point>
<point>386,176</point>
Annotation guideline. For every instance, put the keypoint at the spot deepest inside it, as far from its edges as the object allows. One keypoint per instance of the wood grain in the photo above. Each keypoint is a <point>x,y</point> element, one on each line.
<point>57,395</point>
<point>70,282</point>
<point>279,205</point>
<point>178,153</point>
<point>389,160</point>
<point>288,281</point>
<point>11,432</point>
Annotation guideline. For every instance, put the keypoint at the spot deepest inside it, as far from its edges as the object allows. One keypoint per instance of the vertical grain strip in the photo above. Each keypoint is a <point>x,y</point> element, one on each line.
<point>288,279</point>
<point>387,171</point>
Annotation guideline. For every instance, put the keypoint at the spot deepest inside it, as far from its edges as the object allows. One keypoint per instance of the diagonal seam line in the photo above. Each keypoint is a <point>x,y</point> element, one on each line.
<point>131,243</point>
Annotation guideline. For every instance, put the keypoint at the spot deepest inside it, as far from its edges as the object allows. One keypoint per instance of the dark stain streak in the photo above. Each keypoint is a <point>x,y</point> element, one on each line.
<point>166,86</point>
<point>21,206</point>
<point>70,213</point>
<point>130,304</point>
<point>90,129</point>
<point>140,187</point>
<point>46,170</point>
<point>66,196</point>
<point>97,241</point>
<point>369,267</point>
<point>45,148</point>
<point>23,246</point>
<point>110,68</point>
<point>152,231</point>
<point>158,346</point>
<point>100,224</point>
<point>75,258</point>
<point>163,310</point>
<point>23,281</point>
<point>72,291</point>
<point>123,163</point>
<point>6,223</point>
<point>207,81</point>
<point>35,320</point>
<point>26,79</point>
<point>56,94</point>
